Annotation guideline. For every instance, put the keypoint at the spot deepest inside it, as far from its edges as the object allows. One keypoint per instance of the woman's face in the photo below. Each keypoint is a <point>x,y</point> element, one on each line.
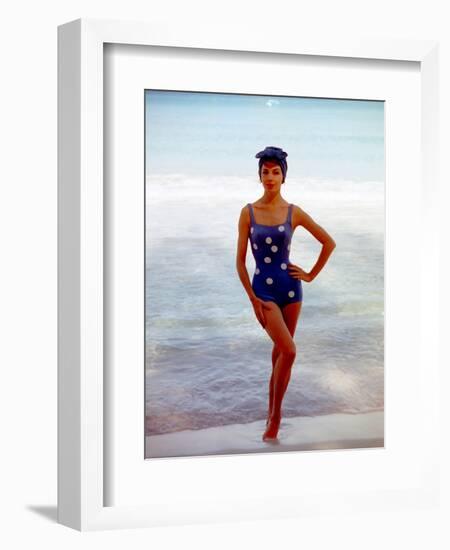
<point>271,176</point>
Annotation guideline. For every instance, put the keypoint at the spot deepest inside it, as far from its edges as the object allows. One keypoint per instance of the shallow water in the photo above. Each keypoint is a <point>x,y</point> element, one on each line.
<point>208,361</point>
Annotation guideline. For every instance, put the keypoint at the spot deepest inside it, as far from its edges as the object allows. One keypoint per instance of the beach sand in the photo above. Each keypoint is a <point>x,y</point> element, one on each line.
<point>307,433</point>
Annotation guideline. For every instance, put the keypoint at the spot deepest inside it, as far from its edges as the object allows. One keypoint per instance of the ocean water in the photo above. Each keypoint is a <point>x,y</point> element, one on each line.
<point>209,134</point>
<point>208,361</point>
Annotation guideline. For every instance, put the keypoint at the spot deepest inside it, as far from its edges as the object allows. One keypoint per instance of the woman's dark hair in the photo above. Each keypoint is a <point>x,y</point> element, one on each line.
<point>272,154</point>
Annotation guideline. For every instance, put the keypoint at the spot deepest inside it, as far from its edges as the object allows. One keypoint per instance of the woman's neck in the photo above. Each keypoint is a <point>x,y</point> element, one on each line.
<point>270,199</point>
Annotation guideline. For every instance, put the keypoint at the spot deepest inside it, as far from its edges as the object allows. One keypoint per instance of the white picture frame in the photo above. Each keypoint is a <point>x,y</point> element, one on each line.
<point>82,395</point>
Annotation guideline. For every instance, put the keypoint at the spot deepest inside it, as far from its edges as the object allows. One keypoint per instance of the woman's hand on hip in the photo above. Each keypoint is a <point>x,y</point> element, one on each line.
<point>298,273</point>
<point>259,306</point>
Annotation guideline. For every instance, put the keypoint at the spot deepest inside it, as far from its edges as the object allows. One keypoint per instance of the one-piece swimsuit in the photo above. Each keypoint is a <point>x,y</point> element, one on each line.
<point>271,246</point>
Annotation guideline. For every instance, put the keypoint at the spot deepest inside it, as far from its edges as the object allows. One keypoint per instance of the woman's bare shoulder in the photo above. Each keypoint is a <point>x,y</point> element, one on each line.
<point>297,215</point>
<point>245,214</point>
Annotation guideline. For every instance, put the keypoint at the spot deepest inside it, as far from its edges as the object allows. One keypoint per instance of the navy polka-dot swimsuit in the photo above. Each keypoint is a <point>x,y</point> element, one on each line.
<point>270,246</point>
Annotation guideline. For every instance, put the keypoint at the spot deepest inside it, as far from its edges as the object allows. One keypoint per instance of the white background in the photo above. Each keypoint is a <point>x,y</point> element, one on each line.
<point>28,272</point>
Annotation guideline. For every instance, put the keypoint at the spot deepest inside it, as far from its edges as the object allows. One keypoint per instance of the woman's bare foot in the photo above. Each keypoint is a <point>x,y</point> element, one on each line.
<point>273,425</point>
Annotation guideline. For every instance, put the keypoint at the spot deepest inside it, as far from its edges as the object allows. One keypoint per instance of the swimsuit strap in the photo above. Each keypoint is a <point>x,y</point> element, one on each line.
<point>290,214</point>
<point>252,217</point>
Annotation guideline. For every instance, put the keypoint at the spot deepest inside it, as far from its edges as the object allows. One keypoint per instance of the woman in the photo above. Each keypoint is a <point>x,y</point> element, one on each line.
<point>276,288</point>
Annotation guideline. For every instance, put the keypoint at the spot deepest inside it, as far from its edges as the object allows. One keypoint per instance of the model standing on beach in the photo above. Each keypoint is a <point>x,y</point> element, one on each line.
<point>276,289</point>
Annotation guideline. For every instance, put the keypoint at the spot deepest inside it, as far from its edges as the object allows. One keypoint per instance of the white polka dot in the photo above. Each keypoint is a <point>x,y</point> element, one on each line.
<point>269,281</point>
<point>257,271</point>
<point>281,228</point>
<point>268,240</point>
<point>251,229</point>
<point>255,246</point>
<point>267,260</point>
<point>283,266</point>
<point>274,248</point>
<point>291,294</point>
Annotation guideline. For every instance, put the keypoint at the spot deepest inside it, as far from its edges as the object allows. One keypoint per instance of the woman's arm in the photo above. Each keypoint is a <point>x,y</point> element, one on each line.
<point>258,305</point>
<point>328,245</point>
<point>243,231</point>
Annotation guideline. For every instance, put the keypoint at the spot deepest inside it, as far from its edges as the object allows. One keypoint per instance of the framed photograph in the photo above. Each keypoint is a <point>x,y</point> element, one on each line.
<point>172,377</point>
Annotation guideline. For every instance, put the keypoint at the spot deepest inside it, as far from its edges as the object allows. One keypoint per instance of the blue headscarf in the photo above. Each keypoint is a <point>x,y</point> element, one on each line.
<point>273,154</point>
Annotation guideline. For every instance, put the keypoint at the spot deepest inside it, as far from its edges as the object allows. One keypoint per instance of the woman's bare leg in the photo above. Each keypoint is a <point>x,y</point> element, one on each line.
<point>275,353</point>
<point>290,313</point>
<point>278,331</point>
